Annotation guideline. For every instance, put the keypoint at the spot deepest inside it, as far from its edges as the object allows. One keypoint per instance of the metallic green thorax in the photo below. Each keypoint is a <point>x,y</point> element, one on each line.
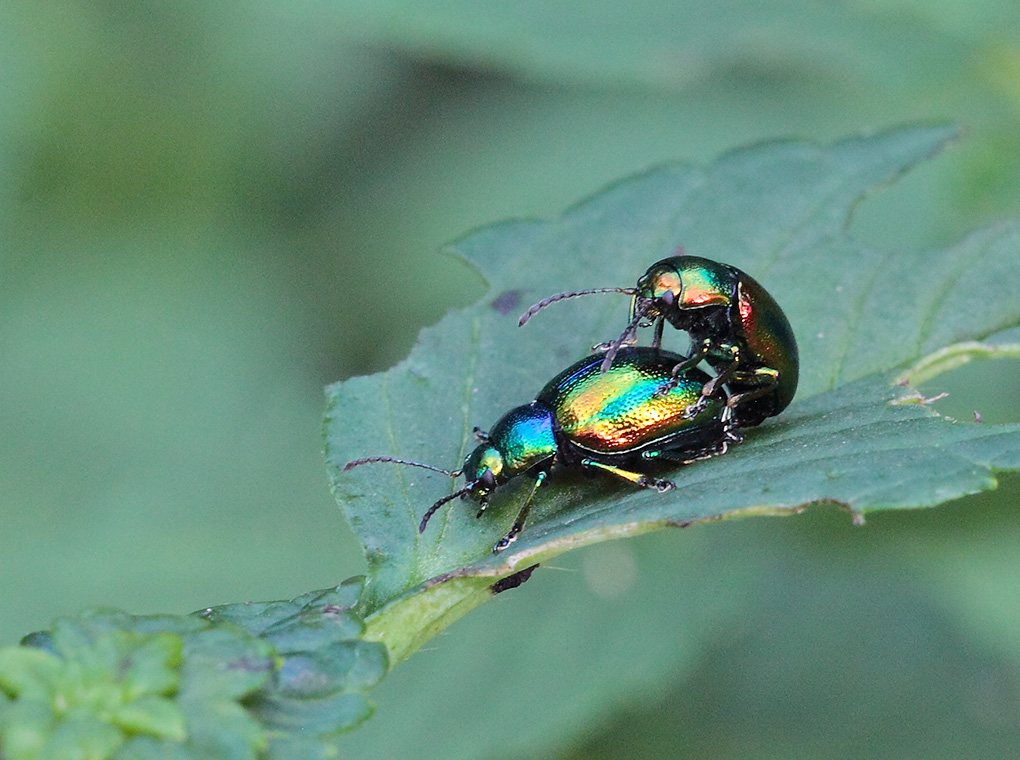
<point>522,438</point>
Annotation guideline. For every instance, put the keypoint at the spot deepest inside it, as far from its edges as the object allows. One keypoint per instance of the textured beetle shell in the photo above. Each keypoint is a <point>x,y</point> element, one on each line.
<point>524,437</point>
<point>619,411</point>
<point>768,334</point>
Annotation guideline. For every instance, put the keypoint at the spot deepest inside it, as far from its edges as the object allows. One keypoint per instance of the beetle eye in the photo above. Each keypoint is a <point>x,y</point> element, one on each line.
<point>668,298</point>
<point>488,480</point>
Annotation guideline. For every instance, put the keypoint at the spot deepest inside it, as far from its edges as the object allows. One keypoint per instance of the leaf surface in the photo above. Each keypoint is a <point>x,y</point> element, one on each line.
<point>853,435</point>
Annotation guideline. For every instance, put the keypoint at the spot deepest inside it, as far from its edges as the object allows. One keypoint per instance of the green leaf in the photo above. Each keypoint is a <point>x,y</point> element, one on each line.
<point>25,726</point>
<point>259,617</point>
<point>254,617</point>
<point>340,712</point>
<point>29,672</point>
<point>225,681</point>
<point>157,716</point>
<point>152,668</point>
<point>101,682</point>
<point>83,736</point>
<point>98,657</point>
<point>344,666</point>
<point>344,595</point>
<point>323,667</point>
<point>222,729</point>
<point>314,628</point>
<point>224,663</point>
<point>93,687</point>
<point>778,211</point>
<point>319,656</point>
<point>566,652</point>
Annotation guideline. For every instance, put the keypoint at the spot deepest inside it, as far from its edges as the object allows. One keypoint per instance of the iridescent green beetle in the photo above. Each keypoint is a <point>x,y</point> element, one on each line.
<point>617,421</point>
<point>734,324</point>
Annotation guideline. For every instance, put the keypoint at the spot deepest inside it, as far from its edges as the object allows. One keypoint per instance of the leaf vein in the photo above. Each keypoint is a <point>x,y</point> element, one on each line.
<point>928,321</point>
<point>853,320</point>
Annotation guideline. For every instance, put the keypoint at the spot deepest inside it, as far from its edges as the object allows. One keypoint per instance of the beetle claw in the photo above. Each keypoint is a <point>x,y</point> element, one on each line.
<point>665,388</point>
<point>601,348</point>
<point>504,542</point>
<point>659,484</point>
<point>696,408</point>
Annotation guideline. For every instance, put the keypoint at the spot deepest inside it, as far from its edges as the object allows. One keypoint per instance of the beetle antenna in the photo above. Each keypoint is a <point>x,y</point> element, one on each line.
<point>368,460</point>
<point>628,330</point>
<point>564,296</point>
<point>441,502</point>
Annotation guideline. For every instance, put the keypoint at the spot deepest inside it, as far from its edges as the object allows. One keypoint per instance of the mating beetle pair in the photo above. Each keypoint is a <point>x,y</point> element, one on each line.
<point>734,325</point>
<point>620,411</point>
<point>614,421</point>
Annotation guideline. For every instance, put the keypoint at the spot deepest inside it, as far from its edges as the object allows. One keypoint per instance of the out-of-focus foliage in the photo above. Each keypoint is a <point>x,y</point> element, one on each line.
<point>210,210</point>
<point>274,680</point>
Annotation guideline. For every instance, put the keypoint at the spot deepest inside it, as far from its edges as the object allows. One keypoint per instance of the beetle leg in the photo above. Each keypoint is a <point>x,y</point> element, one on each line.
<point>518,526</point>
<point>711,388</point>
<point>481,435</point>
<point>687,456</point>
<point>766,379</point>
<point>691,361</point>
<point>636,478</point>
<point>601,348</point>
<point>657,335</point>
<point>731,427</point>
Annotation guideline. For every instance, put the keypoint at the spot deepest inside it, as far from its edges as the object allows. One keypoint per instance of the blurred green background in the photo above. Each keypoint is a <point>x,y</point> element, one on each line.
<point>210,210</point>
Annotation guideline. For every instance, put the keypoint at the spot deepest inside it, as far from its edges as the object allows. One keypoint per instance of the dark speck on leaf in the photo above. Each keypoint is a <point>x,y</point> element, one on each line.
<point>507,301</point>
<point>513,581</point>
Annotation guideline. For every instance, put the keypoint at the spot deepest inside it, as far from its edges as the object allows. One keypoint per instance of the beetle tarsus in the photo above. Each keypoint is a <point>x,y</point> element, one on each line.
<point>656,484</point>
<point>508,539</point>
